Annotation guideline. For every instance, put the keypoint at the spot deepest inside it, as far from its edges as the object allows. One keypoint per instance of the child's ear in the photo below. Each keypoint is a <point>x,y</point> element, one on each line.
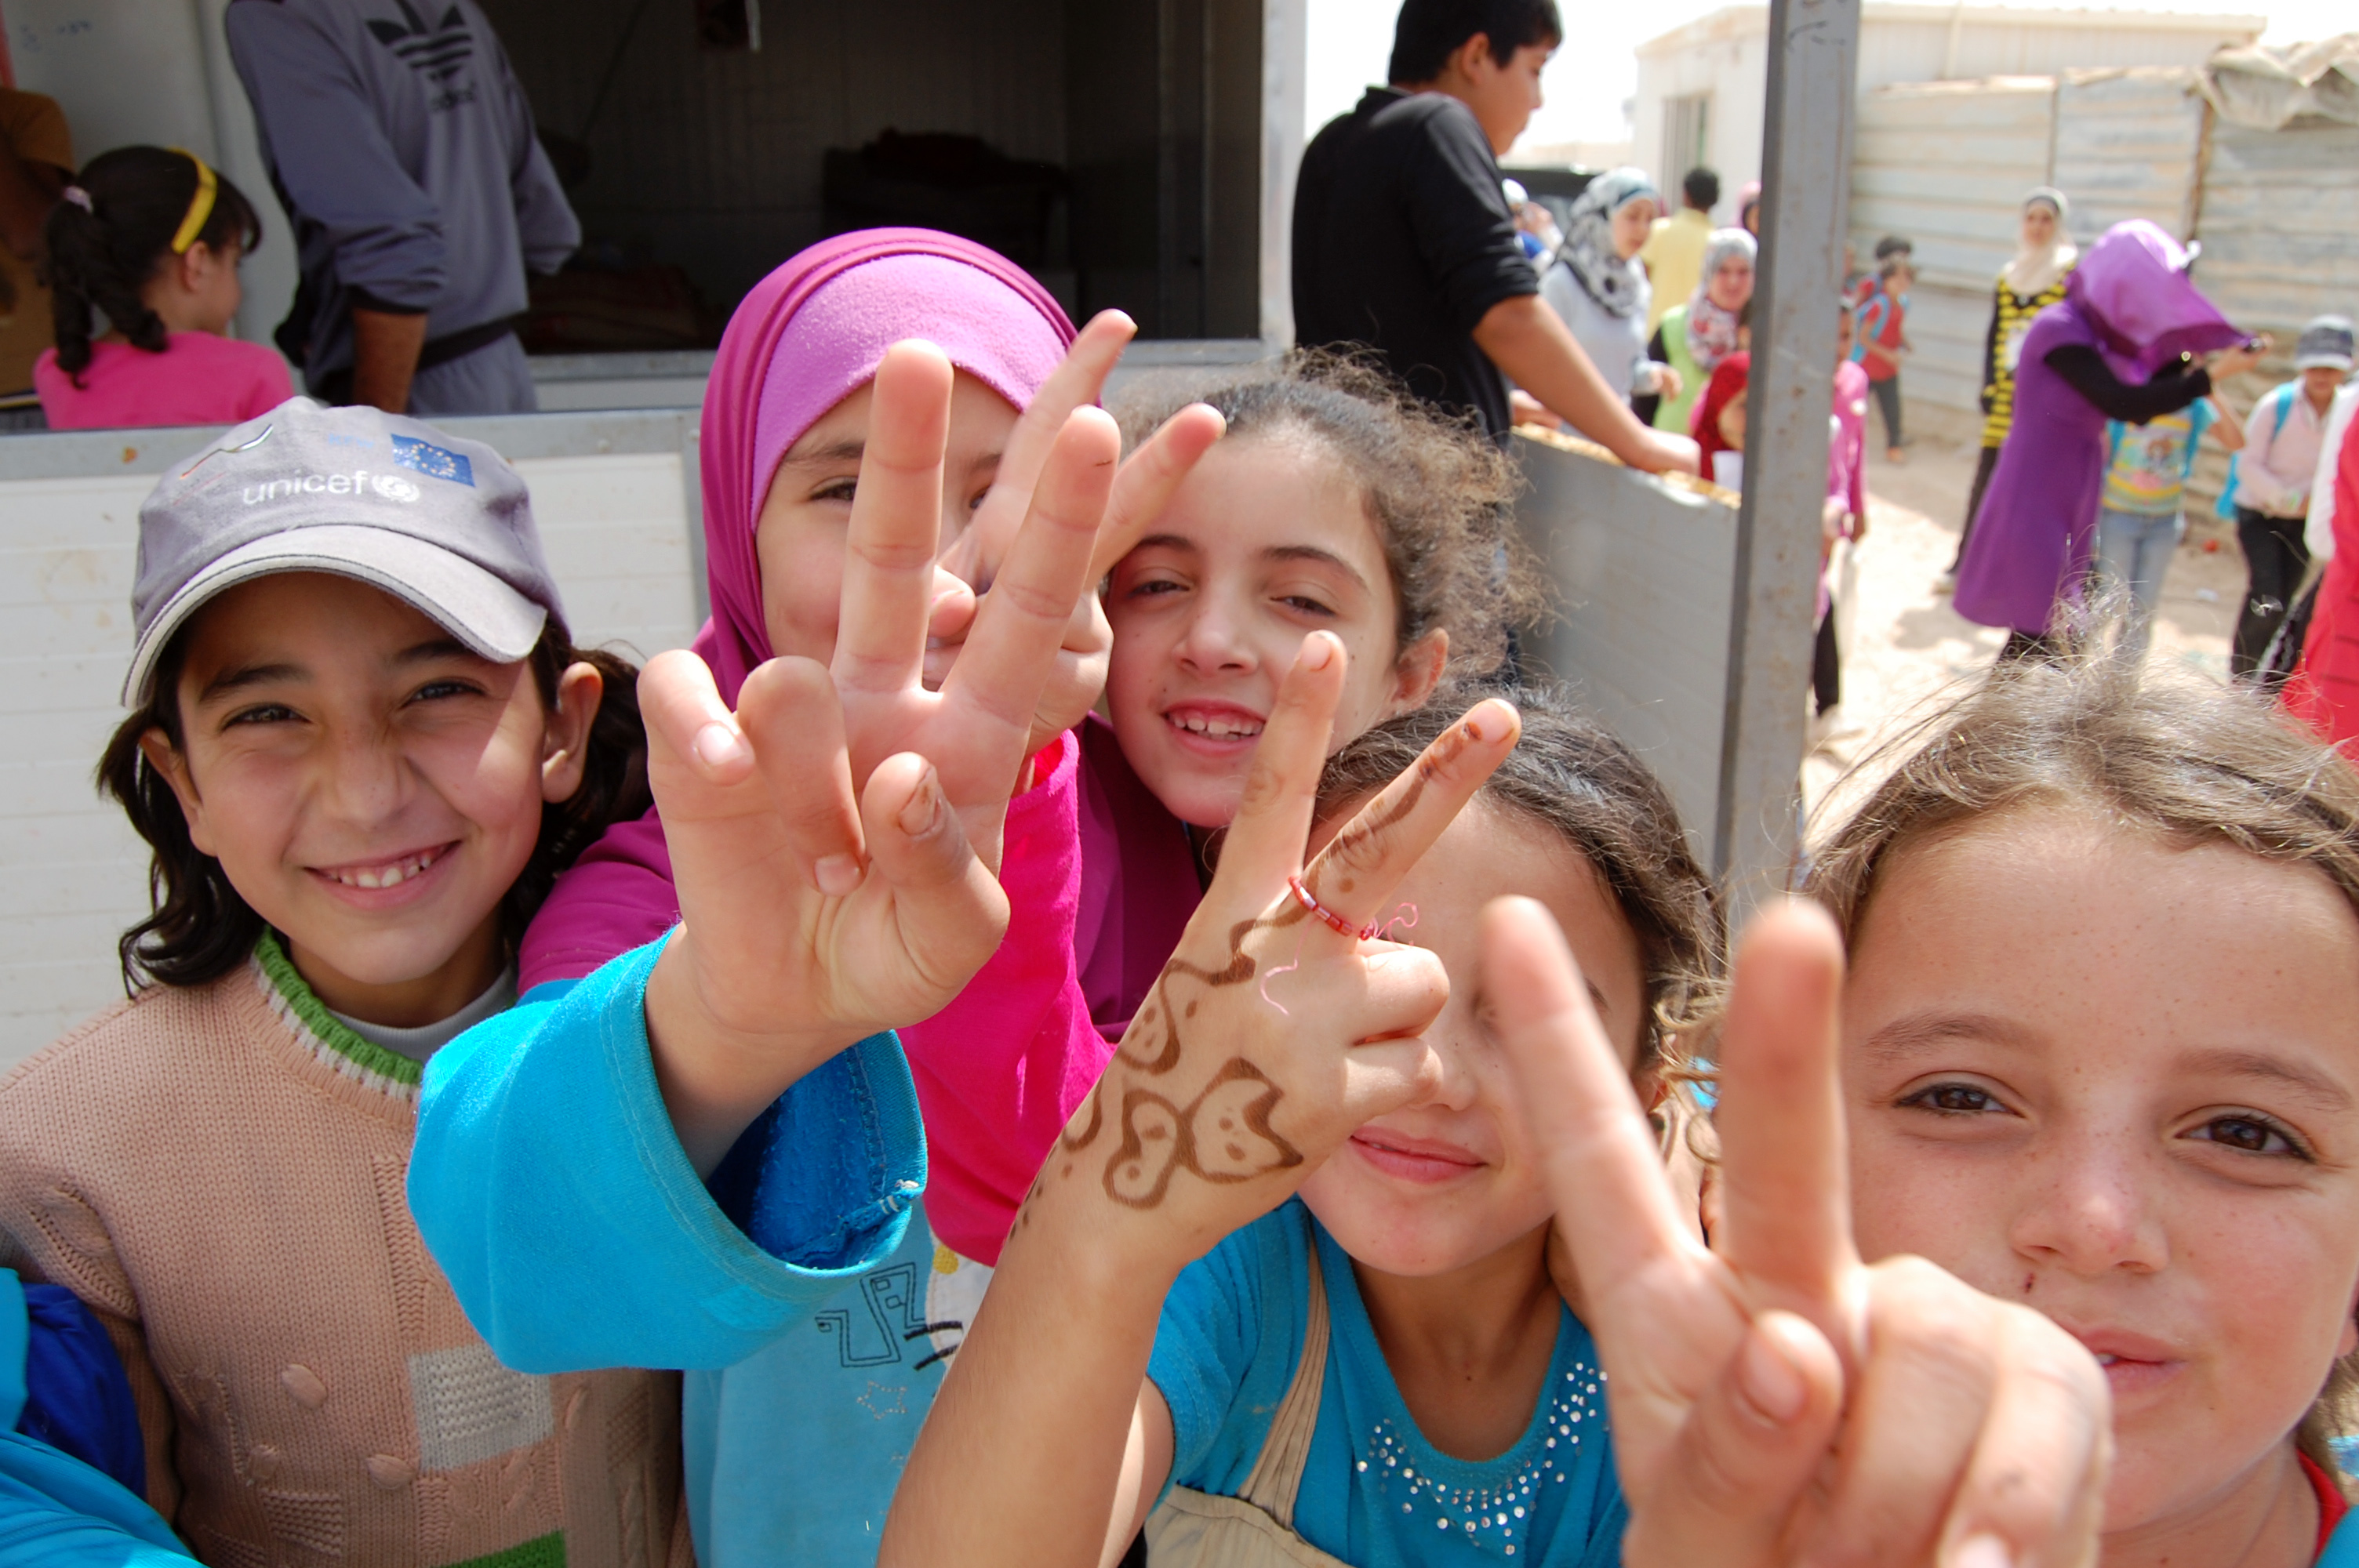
<point>172,767</point>
<point>1417,671</point>
<point>565,739</point>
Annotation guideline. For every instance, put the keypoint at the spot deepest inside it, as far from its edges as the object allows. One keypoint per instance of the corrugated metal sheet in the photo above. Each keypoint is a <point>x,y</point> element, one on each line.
<point>2127,142</point>
<point>1946,163</point>
<point>2279,212</point>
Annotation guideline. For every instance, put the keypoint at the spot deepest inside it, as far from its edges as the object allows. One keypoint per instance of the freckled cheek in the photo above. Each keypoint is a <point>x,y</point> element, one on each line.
<point>1915,1199</point>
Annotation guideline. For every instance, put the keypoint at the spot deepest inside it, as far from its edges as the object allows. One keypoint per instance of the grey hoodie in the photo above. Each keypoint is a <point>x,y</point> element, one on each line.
<point>400,140</point>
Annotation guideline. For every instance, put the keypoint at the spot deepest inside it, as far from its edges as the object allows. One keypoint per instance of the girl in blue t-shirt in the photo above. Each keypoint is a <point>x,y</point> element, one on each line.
<point>1386,1369</point>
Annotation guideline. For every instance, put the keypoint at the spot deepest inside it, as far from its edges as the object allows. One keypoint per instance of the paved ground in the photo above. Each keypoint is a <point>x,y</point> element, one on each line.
<point>1910,647</point>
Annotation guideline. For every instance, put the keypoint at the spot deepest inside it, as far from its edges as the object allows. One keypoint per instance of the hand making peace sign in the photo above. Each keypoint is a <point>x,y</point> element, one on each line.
<point>833,841</point>
<point>1774,1400</point>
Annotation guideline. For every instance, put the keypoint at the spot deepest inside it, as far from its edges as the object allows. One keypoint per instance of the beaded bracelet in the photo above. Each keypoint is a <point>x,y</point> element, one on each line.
<point>1336,922</point>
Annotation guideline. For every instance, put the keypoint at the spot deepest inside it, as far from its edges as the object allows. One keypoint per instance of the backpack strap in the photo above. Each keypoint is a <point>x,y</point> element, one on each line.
<point>1276,1477</point>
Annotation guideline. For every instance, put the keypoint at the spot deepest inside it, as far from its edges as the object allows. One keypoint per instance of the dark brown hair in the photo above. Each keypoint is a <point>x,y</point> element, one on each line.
<point>202,927</point>
<point>1438,492</point>
<point>2186,759</point>
<point>99,259</point>
<point>1570,776</point>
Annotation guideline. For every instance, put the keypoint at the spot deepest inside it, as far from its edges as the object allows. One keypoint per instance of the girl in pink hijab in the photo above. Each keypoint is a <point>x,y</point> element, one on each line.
<point>793,1449</point>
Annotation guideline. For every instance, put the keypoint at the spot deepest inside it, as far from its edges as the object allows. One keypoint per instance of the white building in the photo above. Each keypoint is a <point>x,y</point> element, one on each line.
<point>1700,86</point>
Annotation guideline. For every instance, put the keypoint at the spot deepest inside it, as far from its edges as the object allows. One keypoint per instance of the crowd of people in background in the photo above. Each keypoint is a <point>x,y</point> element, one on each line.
<point>1092,1016</point>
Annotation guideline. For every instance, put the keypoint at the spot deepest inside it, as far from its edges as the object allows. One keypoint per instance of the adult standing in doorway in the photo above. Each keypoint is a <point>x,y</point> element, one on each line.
<point>400,142</point>
<point>2027,285</point>
<point>1598,287</point>
<point>36,165</point>
<point>1674,251</point>
<point>2123,345</point>
<point>1403,242</point>
<point>2269,490</point>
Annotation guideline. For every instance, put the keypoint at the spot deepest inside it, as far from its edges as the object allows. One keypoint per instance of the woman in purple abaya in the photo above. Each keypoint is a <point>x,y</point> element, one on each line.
<point>2123,345</point>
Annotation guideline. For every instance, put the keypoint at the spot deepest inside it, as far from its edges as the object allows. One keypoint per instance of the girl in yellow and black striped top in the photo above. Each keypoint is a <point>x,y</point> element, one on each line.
<point>2029,284</point>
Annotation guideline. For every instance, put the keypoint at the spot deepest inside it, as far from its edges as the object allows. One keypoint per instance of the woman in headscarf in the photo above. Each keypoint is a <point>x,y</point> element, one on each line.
<point>2027,285</point>
<point>2121,345</point>
<point>1600,289</point>
<point>1695,337</point>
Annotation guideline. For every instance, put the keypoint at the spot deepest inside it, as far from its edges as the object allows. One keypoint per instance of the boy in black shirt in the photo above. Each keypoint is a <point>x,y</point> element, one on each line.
<point>1403,240</point>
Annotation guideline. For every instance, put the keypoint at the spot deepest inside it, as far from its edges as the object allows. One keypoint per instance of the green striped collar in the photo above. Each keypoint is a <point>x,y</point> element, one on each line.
<point>301,1006</point>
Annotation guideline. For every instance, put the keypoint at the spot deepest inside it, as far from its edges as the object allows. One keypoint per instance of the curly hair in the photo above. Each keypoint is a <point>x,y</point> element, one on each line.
<point>1568,775</point>
<point>100,257</point>
<point>1439,493</point>
<point>2183,759</point>
<point>202,927</point>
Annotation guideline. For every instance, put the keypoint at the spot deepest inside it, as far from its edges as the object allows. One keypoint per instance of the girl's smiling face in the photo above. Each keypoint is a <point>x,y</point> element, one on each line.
<point>1265,542</point>
<point>2117,1079</point>
<point>1442,1184</point>
<point>370,786</point>
<point>799,540</point>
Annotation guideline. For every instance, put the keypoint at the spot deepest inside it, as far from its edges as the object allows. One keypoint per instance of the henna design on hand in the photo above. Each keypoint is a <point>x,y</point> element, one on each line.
<point>1224,1136</point>
<point>1162,1018</point>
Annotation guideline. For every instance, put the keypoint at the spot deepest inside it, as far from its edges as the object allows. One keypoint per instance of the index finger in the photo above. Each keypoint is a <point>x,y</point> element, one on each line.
<point>1597,1154</point>
<point>1148,477</point>
<point>1353,877</point>
<point>1020,624</point>
<point>1078,382</point>
<point>1785,1177</point>
<point>897,522</point>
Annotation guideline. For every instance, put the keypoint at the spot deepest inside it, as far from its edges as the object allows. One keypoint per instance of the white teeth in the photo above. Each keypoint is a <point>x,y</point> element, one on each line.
<point>392,875</point>
<point>1220,729</point>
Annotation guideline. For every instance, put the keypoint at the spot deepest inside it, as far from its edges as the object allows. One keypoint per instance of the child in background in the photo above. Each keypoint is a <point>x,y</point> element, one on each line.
<point>152,239</point>
<point>1389,1370</point>
<point>1844,516</point>
<point>1717,421</point>
<point>2061,1086</point>
<point>2140,520</point>
<point>1880,337</point>
<point>361,748</point>
<point>2269,493</point>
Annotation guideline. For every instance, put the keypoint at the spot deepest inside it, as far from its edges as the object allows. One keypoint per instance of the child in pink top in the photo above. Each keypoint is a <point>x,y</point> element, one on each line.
<point>152,238</point>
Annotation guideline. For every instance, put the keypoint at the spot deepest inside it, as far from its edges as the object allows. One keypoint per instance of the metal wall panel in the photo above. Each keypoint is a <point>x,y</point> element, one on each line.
<point>1946,163</point>
<point>2128,144</point>
<point>1646,569</point>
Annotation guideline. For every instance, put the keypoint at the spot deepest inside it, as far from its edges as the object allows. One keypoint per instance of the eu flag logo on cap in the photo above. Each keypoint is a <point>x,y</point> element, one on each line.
<point>428,458</point>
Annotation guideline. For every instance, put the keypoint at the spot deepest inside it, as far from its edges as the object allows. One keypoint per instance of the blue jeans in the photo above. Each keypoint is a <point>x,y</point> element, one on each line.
<point>2134,551</point>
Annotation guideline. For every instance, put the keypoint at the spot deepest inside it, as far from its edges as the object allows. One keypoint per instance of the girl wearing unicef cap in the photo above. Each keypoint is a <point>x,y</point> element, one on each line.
<point>361,748</point>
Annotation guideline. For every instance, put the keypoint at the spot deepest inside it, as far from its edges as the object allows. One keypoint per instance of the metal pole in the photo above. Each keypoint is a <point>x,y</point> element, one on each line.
<point>1806,174</point>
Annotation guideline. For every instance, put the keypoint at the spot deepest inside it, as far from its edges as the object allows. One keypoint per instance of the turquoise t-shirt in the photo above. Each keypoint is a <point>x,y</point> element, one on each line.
<point>1374,1493</point>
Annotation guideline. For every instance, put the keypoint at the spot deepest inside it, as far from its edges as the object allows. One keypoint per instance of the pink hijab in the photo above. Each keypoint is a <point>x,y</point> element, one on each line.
<point>809,335</point>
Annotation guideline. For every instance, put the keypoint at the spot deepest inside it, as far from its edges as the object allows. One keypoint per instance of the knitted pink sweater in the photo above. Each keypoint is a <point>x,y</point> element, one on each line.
<point>217,1172</point>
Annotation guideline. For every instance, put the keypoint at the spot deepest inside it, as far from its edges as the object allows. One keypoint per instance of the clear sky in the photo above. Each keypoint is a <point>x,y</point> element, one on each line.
<point>1596,72</point>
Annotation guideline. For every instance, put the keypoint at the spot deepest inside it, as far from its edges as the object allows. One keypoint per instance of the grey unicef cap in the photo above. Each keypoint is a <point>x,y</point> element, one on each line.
<point>439,522</point>
<point>2327,340</point>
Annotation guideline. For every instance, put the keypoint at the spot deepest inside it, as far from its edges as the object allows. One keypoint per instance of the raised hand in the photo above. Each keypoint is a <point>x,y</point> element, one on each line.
<point>832,840</point>
<point>1141,488</point>
<point>1225,1093</point>
<point>1269,1038</point>
<point>1774,1400</point>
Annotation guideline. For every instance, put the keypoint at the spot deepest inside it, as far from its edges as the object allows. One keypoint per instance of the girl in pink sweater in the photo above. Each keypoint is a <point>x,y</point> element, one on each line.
<point>152,238</point>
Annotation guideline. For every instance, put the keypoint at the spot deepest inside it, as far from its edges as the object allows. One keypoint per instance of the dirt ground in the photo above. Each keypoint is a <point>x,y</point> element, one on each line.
<point>1910,648</point>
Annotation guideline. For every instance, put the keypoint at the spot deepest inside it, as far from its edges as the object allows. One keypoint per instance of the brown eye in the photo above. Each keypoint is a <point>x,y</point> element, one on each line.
<point>2246,1134</point>
<point>1954,1100</point>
